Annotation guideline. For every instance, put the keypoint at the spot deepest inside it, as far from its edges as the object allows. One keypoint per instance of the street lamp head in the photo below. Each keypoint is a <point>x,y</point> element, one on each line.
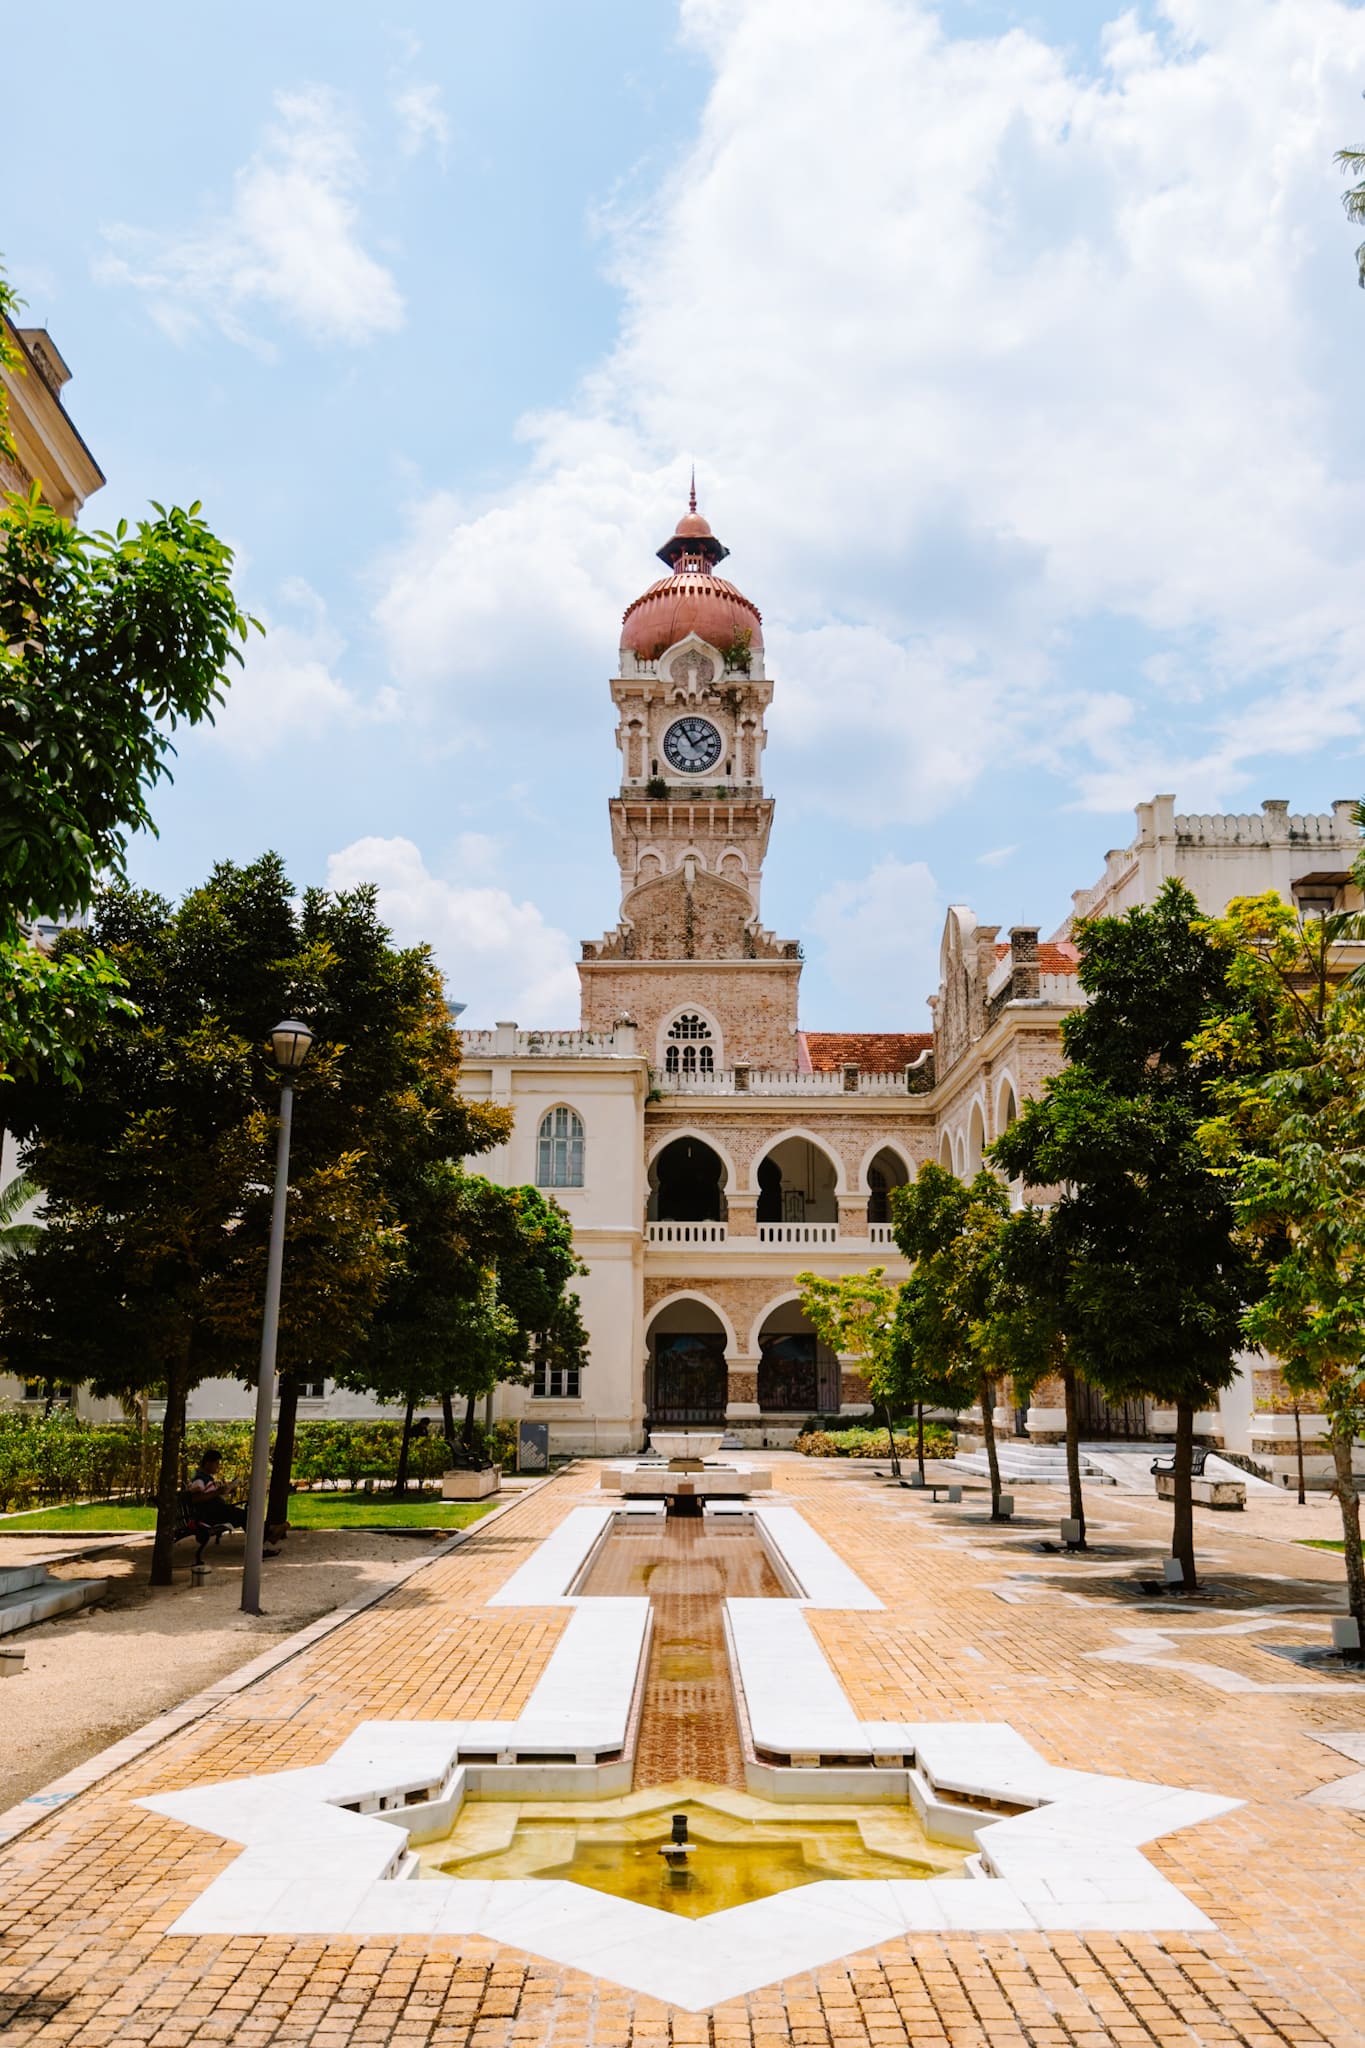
<point>291,1041</point>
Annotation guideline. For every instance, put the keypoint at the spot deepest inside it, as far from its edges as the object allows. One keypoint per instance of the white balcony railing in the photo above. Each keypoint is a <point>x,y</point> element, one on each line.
<point>798,1233</point>
<point>546,1045</point>
<point>685,1233</point>
<point>776,1081</point>
<point>879,1233</point>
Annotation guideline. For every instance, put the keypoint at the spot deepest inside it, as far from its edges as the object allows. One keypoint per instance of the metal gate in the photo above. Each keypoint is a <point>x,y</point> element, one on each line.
<point>1123,1420</point>
<point>689,1379</point>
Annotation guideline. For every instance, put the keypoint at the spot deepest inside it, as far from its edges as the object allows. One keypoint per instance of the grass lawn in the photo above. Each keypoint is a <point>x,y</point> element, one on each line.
<point>1325,1543</point>
<point>306,1511</point>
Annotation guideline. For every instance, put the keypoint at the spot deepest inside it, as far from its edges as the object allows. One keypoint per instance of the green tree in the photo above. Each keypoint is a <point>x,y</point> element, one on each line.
<point>16,1238</point>
<point>107,643</point>
<point>1023,1333</point>
<point>949,1230</point>
<point>157,1176</point>
<point>917,1366</point>
<point>855,1316</point>
<point>1288,1138</point>
<point>1301,1194</point>
<point>1352,161</point>
<point>1158,1279</point>
<point>482,1290</point>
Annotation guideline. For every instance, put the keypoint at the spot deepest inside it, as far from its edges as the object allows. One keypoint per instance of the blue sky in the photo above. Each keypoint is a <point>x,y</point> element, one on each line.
<point>1017,348</point>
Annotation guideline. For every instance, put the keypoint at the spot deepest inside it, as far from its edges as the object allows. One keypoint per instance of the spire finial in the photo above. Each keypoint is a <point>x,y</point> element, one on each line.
<point>692,494</point>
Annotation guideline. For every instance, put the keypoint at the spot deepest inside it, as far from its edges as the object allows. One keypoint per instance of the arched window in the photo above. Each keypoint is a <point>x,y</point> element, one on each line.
<point>689,1049</point>
<point>559,1155</point>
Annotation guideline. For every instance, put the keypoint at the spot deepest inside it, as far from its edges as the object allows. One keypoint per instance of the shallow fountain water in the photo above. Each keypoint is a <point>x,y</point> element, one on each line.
<point>743,1848</point>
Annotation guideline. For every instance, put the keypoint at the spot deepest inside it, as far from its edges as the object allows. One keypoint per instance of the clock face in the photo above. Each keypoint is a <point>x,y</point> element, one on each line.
<point>692,745</point>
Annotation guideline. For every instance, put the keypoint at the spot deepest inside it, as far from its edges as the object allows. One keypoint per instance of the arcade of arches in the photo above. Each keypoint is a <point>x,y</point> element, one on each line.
<point>687,1375</point>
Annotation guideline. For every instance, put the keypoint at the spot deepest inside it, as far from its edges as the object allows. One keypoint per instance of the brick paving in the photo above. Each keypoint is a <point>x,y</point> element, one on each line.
<point>979,1624</point>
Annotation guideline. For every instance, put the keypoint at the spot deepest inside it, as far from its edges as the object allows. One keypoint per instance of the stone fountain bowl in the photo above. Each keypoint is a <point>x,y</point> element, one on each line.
<point>685,1443</point>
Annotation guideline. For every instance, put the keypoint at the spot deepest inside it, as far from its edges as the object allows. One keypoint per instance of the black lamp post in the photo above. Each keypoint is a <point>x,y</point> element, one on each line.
<point>291,1041</point>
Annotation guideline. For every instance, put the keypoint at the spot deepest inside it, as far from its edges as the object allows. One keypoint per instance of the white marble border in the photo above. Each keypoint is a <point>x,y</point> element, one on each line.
<point>320,1856</point>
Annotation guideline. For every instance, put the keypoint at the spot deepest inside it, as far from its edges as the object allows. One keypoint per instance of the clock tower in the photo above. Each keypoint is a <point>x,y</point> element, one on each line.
<point>690,826</point>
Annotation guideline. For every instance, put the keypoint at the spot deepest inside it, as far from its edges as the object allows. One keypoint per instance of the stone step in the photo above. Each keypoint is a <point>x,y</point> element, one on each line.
<point>1040,1464</point>
<point>43,1597</point>
<point>16,1578</point>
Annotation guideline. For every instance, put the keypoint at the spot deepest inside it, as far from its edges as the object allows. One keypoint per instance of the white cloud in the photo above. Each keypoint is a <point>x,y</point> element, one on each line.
<point>287,687</point>
<point>1028,345</point>
<point>421,119</point>
<point>879,938</point>
<point>499,956</point>
<point>288,244</point>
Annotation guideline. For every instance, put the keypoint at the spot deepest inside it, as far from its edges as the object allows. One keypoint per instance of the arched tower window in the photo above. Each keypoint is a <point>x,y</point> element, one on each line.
<point>559,1152</point>
<point>689,1049</point>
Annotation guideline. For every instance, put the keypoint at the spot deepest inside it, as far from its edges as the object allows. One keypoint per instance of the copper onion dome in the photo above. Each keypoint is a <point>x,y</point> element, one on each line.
<point>692,599</point>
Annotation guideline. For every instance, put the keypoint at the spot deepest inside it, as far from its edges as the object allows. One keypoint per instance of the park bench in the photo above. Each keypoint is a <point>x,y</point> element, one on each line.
<point>1209,1492</point>
<point>190,1520</point>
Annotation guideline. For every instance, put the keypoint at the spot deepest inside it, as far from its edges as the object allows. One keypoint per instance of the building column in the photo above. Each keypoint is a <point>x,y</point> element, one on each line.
<point>741,1393</point>
<point>740,1211</point>
<point>1046,1418</point>
<point>854,1398</point>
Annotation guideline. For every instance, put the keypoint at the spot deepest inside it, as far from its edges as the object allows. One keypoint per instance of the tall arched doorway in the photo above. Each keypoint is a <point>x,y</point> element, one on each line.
<point>797,1184</point>
<point>687,1371</point>
<point>797,1374</point>
<point>887,1171</point>
<point>687,1184</point>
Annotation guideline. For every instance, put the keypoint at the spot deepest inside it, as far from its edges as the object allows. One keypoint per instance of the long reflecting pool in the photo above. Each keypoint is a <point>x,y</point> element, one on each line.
<point>687,1568</point>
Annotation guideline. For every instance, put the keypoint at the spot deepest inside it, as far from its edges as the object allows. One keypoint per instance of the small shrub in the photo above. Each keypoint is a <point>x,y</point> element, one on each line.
<point>871,1443</point>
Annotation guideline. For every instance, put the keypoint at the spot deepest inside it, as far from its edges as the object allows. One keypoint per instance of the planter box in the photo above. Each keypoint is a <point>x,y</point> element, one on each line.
<point>470,1485</point>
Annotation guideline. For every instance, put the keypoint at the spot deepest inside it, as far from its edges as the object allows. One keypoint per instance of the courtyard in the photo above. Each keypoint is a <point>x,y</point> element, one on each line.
<point>965,1623</point>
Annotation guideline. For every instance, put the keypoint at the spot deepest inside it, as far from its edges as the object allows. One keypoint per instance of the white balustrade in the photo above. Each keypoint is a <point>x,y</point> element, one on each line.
<point>798,1233</point>
<point>547,1045</point>
<point>879,1233</point>
<point>685,1233</point>
<point>775,1081</point>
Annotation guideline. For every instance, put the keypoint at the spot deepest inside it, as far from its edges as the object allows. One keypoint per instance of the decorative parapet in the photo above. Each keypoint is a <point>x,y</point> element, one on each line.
<point>1331,835</point>
<point>749,1080</point>
<point>506,1041</point>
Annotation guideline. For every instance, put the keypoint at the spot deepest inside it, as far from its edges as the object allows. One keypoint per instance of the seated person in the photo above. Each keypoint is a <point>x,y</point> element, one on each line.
<point>207,1497</point>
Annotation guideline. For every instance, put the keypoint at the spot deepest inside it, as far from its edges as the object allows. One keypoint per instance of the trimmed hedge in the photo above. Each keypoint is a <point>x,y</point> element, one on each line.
<point>49,1458</point>
<point>871,1443</point>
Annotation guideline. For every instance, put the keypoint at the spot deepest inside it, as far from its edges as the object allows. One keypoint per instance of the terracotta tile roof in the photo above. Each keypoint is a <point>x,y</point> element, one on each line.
<point>876,1052</point>
<point>1054,956</point>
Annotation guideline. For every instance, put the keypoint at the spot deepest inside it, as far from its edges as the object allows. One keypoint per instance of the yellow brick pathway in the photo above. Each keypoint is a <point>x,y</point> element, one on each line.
<point>978,1624</point>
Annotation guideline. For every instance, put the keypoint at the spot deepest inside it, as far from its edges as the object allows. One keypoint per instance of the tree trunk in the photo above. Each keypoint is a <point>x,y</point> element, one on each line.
<point>1182,1521</point>
<point>988,1432</point>
<point>400,1484</point>
<point>282,1463</point>
<point>144,1414</point>
<point>448,1421</point>
<point>1298,1452</point>
<point>1349,1502</point>
<point>168,1479</point>
<point>469,1420</point>
<point>891,1439</point>
<point>919,1439</point>
<point>1073,1448</point>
